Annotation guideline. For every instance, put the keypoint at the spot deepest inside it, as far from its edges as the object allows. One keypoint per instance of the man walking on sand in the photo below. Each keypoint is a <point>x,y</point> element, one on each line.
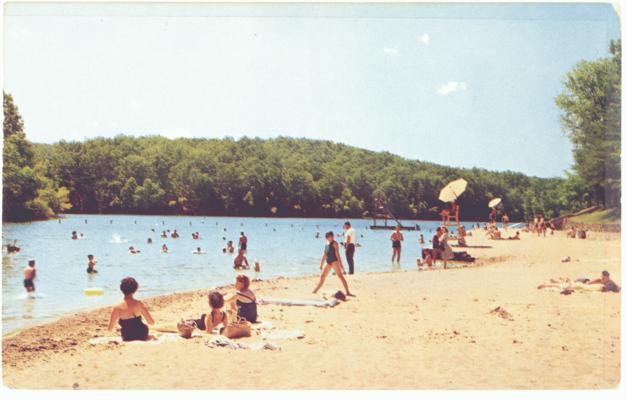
<point>349,245</point>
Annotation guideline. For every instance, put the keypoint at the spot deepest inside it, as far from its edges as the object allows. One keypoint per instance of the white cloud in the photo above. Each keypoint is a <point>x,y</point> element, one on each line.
<point>451,87</point>
<point>390,51</point>
<point>424,38</point>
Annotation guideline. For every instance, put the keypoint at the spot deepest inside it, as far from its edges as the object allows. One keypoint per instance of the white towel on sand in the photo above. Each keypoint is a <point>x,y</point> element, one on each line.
<point>299,302</point>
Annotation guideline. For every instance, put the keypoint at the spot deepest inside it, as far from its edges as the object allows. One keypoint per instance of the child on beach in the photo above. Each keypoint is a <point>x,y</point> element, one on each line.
<point>208,322</point>
<point>244,302</point>
<point>129,314</point>
<point>91,264</point>
<point>29,276</point>
<point>333,260</point>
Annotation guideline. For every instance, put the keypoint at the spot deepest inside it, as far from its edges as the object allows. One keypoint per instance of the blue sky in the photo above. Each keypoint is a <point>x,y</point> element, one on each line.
<point>463,85</point>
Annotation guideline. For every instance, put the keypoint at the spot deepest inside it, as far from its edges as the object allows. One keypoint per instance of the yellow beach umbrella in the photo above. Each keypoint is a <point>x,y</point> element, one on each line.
<point>452,191</point>
<point>494,202</point>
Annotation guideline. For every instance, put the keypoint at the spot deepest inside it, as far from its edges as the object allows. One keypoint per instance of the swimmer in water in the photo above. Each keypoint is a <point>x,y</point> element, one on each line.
<point>257,266</point>
<point>149,241</point>
<point>91,264</point>
<point>164,235</point>
<point>133,250</point>
<point>198,251</point>
<point>164,248</point>
<point>422,239</point>
<point>240,262</point>
<point>74,235</point>
<point>29,276</point>
<point>229,247</point>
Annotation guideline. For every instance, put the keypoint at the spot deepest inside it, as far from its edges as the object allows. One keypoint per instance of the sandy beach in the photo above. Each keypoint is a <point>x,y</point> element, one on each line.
<point>405,329</point>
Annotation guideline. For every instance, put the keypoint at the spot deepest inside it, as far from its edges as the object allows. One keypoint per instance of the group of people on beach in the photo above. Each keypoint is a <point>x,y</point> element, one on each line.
<point>130,314</point>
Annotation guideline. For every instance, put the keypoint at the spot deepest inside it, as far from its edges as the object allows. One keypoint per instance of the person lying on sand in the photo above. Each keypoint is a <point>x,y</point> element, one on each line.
<point>608,284</point>
<point>515,237</point>
<point>603,284</point>
<point>208,322</point>
<point>244,302</point>
<point>129,314</point>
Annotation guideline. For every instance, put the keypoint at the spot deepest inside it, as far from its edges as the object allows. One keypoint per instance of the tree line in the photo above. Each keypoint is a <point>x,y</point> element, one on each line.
<point>303,177</point>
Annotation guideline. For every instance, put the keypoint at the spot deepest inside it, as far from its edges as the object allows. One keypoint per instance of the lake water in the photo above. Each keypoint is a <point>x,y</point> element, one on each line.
<point>284,247</point>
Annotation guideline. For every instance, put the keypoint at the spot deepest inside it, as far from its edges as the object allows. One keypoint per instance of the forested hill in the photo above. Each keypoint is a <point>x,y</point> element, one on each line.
<point>277,177</point>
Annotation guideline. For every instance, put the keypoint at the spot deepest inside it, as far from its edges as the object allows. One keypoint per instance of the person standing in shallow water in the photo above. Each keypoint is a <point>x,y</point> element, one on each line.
<point>29,276</point>
<point>331,260</point>
<point>349,245</point>
<point>243,242</point>
<point>396,238</point>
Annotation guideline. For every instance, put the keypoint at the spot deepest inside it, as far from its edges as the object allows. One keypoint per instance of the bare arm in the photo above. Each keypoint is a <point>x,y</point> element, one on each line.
<point>322,259</point>
<point>113,319</point>
<point>146,314</point>
<point>336,247</point>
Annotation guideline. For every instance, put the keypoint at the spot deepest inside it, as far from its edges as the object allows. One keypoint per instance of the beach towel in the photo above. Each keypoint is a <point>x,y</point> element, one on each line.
<point>282,335</point>
<point>162,338</point>
<point>299,302</point>
<point>222,341</point>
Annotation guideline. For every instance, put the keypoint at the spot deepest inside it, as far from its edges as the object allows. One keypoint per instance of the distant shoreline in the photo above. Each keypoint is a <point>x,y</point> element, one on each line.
<point>63,216</point>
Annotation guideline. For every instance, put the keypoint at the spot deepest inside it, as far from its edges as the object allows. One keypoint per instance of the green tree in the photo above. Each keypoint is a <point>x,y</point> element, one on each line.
<point>591,105</point>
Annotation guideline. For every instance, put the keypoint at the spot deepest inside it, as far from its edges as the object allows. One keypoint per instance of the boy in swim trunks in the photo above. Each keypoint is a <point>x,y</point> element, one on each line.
<point>29,276</point>
<point>91,265</point>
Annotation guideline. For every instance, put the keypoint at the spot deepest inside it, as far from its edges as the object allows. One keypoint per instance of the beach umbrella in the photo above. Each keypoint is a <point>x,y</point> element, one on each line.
<point>452,191</point>
<point>494,202</point>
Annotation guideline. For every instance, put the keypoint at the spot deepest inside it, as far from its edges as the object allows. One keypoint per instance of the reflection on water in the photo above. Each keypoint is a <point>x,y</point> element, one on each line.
<point>284,247</point>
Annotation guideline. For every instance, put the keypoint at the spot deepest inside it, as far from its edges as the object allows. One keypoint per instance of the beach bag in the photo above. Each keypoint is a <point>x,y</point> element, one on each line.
<point>237,329</point>
<point>186,328</point>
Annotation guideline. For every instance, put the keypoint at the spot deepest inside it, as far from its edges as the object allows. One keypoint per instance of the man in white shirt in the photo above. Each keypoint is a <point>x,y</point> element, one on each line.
<point>349,245</point>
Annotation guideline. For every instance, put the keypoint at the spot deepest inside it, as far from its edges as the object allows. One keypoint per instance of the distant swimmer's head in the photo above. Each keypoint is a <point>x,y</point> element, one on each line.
<point>241,233</point>
<point>347,225</point>
<point>90,257</point>
<point>224,250</point>
<point>329,235</point>
<point>216,300</point>
<point>242,282</point>
<point>198,249</point>
<point>128,286</point>
<point>31,263</point>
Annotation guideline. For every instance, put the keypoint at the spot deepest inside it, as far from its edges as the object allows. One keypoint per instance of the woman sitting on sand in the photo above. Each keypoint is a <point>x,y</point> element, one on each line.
<point>129,314</point>
<point>244,302</point>
<point>208,322</point>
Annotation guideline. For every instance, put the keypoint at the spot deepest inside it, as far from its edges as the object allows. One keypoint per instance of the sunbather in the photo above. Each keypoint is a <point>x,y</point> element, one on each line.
<point>129,314</point>
<point>208,322</point>
<point>244,302</point>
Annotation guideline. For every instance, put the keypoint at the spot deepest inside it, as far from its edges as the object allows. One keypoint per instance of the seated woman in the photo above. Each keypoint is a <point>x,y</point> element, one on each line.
<point>515,237</point>
<point>240,261</point>
<point>129,314</point>
<point>208,322</point>
<point>244,301</point>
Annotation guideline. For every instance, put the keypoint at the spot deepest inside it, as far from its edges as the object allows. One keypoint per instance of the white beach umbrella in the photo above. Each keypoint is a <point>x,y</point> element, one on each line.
<point>452,191</point>
<point>494,202</point>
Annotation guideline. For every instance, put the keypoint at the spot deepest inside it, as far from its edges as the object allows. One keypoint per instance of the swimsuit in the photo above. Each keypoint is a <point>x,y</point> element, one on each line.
<point>28,283</point>
<point>329,250</point>
<point>248,311</point>
<point>133,329</point>
<point>200,323</point>
<point>396,244</point>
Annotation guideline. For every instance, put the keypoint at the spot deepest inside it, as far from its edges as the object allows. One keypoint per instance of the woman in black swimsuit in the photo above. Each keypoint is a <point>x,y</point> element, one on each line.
<point>129,314</point>
<point>244,301</point>
<point>333,261</point>
<point>396,238</point>
<point>208,322</point>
